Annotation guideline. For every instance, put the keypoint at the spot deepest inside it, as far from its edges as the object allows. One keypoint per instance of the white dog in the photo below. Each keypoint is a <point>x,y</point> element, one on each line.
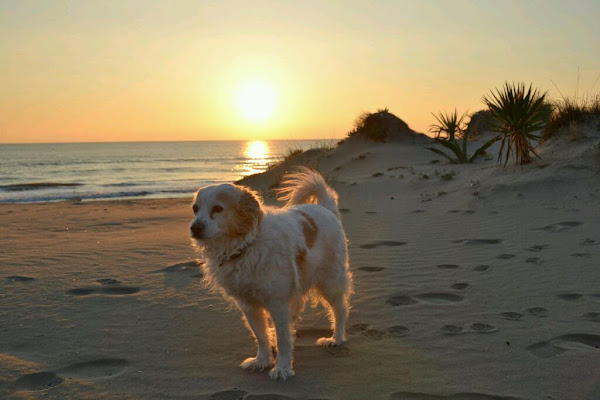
<point>268,260</point>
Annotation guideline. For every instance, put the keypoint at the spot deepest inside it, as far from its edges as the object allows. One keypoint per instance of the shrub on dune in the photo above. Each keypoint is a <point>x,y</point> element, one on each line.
<point>454,128</point>
<point>371,124</point>
<point>570,111</point>
<point>519,113</point>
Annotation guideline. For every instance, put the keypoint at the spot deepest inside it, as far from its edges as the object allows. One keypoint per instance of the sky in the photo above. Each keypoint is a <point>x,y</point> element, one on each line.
<point>89,71</point>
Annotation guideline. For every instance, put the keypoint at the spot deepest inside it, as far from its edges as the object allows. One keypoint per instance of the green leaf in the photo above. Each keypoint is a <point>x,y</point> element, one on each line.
<point>441,153</point>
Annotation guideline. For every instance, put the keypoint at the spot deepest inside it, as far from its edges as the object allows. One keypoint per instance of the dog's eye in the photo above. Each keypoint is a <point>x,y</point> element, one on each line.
<point>195,208</point>
<point>216,209</point>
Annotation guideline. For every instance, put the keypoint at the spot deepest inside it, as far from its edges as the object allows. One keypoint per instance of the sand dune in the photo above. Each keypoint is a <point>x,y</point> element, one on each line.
<point>471,282</point>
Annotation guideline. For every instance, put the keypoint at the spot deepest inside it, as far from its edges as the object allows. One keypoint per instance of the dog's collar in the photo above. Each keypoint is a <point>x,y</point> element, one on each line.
<point>223,258</point>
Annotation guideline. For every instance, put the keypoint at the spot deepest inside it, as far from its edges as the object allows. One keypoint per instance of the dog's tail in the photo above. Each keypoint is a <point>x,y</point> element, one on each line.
<point>308,186</point>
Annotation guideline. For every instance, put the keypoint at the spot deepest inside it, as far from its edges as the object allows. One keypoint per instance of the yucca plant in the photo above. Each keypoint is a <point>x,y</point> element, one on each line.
<point>448,124</point>
<point>519,113</point>
<point>453,127</point>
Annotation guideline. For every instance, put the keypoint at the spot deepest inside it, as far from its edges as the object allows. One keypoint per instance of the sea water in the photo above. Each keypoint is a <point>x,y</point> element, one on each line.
<point>91,171</point>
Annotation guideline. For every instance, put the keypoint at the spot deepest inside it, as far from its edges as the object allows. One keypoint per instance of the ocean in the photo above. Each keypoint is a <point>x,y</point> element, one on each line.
<point>98,171</point>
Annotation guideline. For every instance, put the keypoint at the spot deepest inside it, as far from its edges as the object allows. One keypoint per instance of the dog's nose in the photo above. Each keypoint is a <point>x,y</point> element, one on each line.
<point>197,229</point>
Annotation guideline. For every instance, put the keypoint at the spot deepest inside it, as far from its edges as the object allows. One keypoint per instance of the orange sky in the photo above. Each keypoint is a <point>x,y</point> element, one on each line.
<point>146,70</point>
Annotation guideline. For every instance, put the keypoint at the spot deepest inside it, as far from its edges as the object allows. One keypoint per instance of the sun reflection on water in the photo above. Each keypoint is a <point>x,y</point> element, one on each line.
<point>258,157</point>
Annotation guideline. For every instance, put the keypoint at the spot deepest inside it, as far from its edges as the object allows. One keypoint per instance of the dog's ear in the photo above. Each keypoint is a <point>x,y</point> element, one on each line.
<point>249,212</point>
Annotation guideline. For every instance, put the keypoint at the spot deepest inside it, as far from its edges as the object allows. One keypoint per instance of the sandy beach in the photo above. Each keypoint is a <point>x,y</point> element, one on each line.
<point>471,282</point>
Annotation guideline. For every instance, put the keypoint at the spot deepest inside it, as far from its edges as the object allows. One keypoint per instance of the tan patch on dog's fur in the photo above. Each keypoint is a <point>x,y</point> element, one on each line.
<point>248,211</point>
<point>301,260</point>
<point>301,264</point>
<point>310,230</point>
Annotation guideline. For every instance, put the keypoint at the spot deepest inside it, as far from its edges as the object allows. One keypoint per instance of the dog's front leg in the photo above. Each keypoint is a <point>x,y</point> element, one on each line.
<point>281,318</point>
<point>257,324</point>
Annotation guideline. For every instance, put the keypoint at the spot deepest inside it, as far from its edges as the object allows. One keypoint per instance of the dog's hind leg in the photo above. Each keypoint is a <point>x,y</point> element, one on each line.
<point>280,314</point>
<point>338,303</point>
<point>257,324</point>
<point>296,308</point>
<point>335,290</point>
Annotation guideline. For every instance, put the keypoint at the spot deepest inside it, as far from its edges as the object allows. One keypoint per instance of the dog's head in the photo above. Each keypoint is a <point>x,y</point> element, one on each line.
<point>225,212</point>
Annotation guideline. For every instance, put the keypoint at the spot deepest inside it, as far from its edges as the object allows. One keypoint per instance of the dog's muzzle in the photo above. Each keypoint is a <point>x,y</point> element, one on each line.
<point>197,230</point>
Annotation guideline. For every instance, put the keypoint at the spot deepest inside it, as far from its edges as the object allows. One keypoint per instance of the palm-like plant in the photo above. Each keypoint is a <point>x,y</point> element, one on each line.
<point>448,124</point>
<point>453,127</point>
<point>519,113</point>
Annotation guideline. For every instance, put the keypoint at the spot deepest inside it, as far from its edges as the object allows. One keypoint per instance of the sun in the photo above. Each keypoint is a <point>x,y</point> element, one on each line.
<point>256,101</point>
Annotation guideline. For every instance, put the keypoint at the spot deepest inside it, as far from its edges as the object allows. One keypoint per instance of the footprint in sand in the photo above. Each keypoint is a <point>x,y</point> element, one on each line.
<point>374,333</point>
<point>592,316</point>
<point>387,243</point>
<point>505,256</point>
<point>560,344</point>
<point>368,331</point>
<point>344,210</point>
<point>580,255</point>
<point>559,227</point>
<point>476,327</point>
<point>400,300</point>
<point>102,368</point>
<point>538,247</point>
<point>417,211</point>
<point>479,327</point>
<point>370,212</point>
<point>38,381</point>
<point>427,298</point>
<point>338,351</point>
<point>460,286</point>
<point>481,268</point>
<point>19,278</point>
<point>357,328</point>
<point>511,315</point>
<point>109,291</point>
<point>570,296</point>
<point>439,298</point>
<point>588,242</point>
<point>452,329</point>
<point>371,269</point>
<point>90,370</point>
<point>453,211</point>
<point>534,260</point>
<point>455,396</point>
<point>108,281</point>
<point>448,266</point>
<point>537,311</point>
<point>398,330</point>
<point>475,242</point>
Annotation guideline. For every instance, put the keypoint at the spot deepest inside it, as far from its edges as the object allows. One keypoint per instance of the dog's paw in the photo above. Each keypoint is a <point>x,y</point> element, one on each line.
<point>329,342</point>
<point>256,364</point>
<point>281,373</point>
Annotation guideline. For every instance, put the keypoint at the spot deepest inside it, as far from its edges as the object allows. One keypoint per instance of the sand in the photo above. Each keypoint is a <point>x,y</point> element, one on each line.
<point>471,282</point>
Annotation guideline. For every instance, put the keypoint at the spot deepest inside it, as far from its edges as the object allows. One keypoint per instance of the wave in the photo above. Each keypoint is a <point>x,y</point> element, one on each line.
<point>91,196</point>
<point>20,187</point>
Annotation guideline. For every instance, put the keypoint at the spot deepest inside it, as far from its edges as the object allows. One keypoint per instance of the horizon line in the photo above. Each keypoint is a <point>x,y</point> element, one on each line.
<point>168,141</point>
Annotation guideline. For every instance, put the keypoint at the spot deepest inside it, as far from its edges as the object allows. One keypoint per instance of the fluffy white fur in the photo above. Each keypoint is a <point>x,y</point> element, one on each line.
<point>268,260</point>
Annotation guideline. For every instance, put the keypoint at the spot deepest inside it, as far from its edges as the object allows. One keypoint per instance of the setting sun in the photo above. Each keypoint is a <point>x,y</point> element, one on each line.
<point>256,101</point>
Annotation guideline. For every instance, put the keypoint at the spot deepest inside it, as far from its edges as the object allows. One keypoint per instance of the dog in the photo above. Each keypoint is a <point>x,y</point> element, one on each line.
<point>269,260</point>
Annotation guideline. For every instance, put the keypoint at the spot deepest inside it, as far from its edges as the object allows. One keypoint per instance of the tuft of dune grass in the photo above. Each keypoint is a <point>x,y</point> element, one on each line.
<point>569,111</point>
